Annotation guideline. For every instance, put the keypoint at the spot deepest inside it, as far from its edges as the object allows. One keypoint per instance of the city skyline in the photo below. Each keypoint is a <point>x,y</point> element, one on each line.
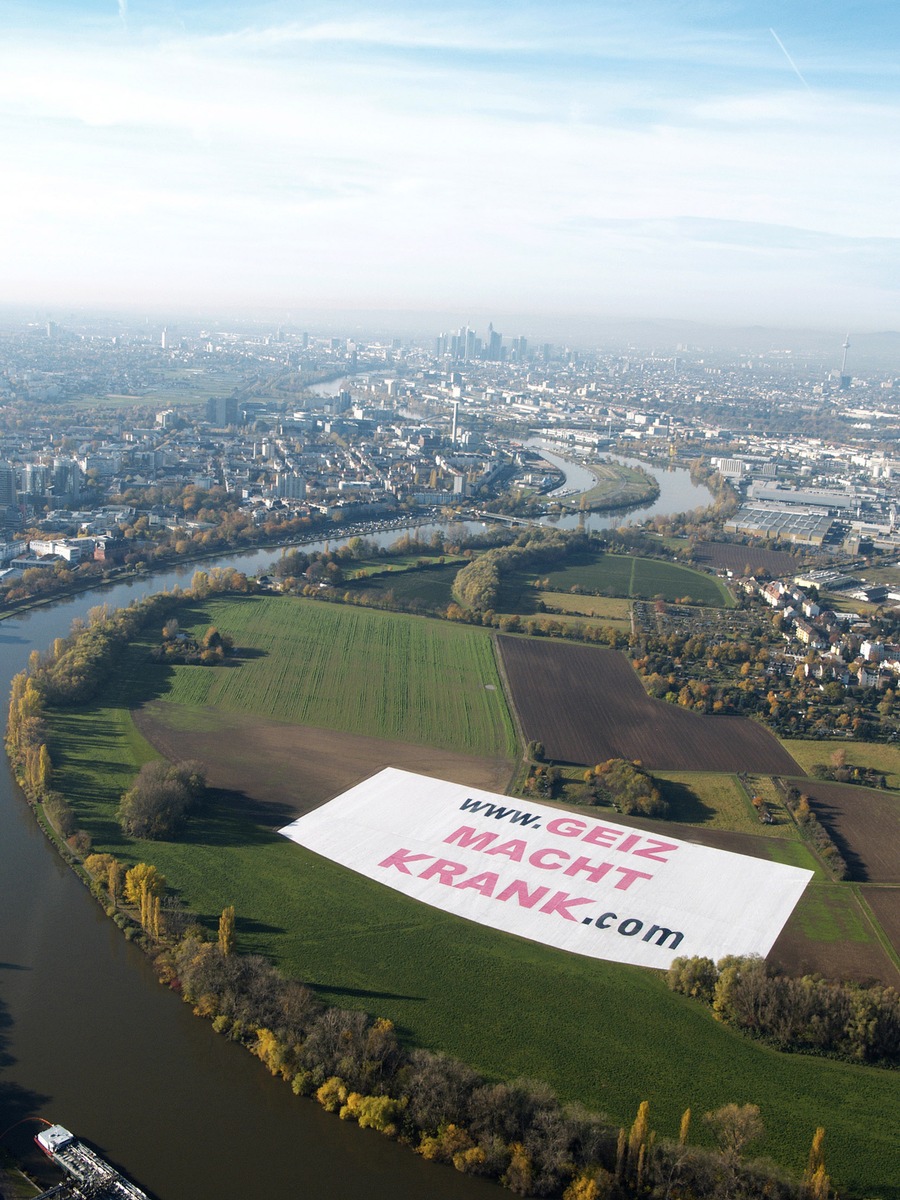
<point>723,162</point>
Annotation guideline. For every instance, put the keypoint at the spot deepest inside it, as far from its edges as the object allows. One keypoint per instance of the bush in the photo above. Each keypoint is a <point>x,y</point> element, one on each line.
<point>60,814</point>
<point>162,795</point>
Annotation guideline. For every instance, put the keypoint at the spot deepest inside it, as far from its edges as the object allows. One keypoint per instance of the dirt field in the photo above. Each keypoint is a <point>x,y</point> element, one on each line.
<point>864,824</point>
<point>725,556</point>
<point>282,771</point>
<point>846,960</point>
<point>587,705</point>
<point>885,904</point>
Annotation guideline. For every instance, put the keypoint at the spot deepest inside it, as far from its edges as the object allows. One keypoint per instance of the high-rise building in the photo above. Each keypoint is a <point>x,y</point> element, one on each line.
<point>35,479</point>
<point>7,485</point>
<point>66,481</point>
<point>290,486</point>
<point>222,411</point>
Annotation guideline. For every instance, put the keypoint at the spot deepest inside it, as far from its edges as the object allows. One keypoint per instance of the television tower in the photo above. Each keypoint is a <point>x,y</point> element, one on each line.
<point>845,378</point>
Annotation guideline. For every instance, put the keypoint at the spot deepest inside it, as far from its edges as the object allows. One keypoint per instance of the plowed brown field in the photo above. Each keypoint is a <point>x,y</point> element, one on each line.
<point>885,904</point>
<point>732,557</point>
<point>277,772</point>
<point>864,824</point>
<point>587,705</point>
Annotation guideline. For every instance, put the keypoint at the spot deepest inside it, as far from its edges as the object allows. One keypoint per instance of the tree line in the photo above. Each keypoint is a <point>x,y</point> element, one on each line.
<point>807,1015</point>
<point>477,586</point>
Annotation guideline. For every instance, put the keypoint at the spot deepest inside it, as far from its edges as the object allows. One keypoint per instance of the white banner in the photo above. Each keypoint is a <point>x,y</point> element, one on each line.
<point>570,880</point>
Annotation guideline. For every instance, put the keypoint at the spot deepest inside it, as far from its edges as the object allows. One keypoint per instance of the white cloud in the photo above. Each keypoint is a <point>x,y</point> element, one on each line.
<point>257,157</point>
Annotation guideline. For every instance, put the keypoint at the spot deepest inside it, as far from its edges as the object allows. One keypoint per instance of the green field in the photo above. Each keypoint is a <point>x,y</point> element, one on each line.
<point>713,801</point>
<point>359,670</point>
<point>603,609</point>
<point>603,1033</point>
<point>630,577</point>
<point>616,486</point>
<point>431,588</point>
<point>884,757</point>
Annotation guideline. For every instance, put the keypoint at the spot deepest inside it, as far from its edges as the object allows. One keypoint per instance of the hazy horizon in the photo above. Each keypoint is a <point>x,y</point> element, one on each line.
<point>730,164</point>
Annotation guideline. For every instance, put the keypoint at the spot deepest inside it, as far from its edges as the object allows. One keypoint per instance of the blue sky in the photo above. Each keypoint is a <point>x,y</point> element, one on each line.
<point>735,162</point>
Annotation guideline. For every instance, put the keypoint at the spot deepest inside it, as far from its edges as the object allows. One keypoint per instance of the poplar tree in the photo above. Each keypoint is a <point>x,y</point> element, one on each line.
<point>226,931</point>
<point>639,1132</point>
<point>816,1184</point>
<point>44,768</point>
<point>115,876</point>
<point>684,1128</point>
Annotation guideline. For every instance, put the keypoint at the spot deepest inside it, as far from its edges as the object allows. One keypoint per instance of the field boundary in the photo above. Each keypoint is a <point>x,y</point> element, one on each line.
<point>887,945</point>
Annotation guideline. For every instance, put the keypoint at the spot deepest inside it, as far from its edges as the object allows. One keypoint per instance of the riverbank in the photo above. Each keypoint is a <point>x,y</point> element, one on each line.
<point>616,486</point>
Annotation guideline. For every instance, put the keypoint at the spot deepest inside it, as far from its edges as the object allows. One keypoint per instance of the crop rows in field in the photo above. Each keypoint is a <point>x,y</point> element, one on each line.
<point>358,670</point>
<point>885,904</point>
<point>728,556</point>
<point>624,575</point>
<point>602,1033</point>
<point>587,705</point>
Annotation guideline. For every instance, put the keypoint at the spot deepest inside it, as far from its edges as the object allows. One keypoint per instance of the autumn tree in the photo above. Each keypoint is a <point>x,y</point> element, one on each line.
<point>816,1184</point>
<point>226,930</point>
<point>143,885</point>
<point>735,1126</point>
<point>160,799</point>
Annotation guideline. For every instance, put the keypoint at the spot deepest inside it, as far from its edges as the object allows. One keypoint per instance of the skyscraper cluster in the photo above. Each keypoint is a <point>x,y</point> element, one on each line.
<point>466,346</point>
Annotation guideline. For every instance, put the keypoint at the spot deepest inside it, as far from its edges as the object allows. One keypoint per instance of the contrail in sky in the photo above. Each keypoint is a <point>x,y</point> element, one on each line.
<point>788,57</point>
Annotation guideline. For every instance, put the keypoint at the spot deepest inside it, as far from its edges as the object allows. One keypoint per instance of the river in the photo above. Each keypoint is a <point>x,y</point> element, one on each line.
<point>88,1038</point>
<point>677,493</point>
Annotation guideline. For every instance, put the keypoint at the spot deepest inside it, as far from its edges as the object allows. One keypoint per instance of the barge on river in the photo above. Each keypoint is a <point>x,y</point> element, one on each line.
<point>90,1178</point>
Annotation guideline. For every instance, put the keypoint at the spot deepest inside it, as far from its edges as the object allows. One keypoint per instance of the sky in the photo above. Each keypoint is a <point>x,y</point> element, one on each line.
<point>709,160</point>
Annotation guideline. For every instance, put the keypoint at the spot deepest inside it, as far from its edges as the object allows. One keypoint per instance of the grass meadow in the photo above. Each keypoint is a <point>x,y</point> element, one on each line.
<point>359,670</point>
<point>606,1034</point>
<point>432,588</point>
<point>634,578</point>
<point>882,756</point>
<point>708,799</point>
<point>602,609</point>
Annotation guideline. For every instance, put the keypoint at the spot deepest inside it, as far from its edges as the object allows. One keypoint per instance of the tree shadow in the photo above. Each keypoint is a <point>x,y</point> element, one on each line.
<point>231,818</point>
<point>684,804</point>
<point>16,1102</point>
<point>249,925</point>
<point>363,992</point>
<point>243,654</point>
<point>828,817</point>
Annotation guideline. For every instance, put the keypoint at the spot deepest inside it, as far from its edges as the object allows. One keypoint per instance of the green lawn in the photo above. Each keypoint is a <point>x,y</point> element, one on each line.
<point>360,670</point>
<point>883,756</point>
<point>607,1034</point>
<point>635,578</point>
<point>710,800</point>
